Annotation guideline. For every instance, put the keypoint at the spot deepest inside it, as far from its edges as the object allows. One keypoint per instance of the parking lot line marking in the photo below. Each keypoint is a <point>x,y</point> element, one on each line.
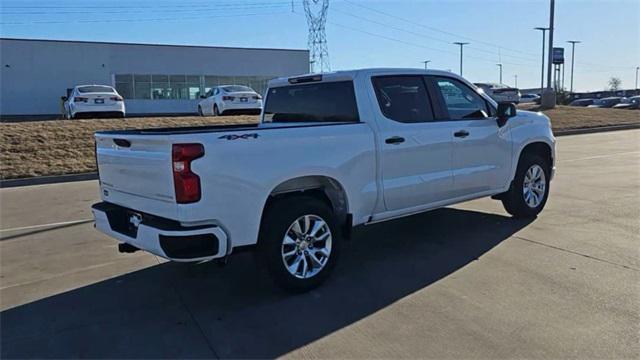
<point>46,225</point>
<point>600,156</point>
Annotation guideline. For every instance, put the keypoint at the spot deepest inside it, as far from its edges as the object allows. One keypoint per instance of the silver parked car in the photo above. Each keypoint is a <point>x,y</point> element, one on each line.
<point>500,92</point>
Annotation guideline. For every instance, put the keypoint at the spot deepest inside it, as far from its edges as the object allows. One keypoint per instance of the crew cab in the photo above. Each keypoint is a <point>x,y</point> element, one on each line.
<point>332,151</point>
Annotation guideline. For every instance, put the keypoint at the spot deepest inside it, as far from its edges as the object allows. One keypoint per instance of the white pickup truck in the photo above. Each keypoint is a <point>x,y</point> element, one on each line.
<point>332,151</point>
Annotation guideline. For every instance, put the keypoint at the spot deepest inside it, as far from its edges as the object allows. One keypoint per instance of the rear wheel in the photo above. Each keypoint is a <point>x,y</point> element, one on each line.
<point>299,242</point>
<point>530,187</point>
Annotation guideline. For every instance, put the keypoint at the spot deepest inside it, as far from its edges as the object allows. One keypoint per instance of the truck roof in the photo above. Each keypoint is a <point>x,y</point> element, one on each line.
<point>351,74</point>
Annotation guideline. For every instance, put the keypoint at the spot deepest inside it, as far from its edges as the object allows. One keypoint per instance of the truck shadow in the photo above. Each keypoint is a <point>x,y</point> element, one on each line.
<point>198,311</point>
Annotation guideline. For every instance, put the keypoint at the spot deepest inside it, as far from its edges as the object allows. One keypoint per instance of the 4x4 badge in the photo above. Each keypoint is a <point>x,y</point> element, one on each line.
<point>236,137</point>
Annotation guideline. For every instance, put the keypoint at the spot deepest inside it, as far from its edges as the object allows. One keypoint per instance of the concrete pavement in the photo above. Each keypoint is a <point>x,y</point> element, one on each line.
<point>461,282</point>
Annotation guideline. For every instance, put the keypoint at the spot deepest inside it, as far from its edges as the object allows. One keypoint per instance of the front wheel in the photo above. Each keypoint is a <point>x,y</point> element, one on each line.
<point>299,242</point>
<point>530,188</point>
<point>216,112</point>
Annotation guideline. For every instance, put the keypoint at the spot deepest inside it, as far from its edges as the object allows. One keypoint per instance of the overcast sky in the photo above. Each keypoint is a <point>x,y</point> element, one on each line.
<point>365,33</point>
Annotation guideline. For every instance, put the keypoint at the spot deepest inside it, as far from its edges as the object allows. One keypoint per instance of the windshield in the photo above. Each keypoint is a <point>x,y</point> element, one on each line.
<point>318,102</point>
<point>236,88</point>
<point>95,89</point>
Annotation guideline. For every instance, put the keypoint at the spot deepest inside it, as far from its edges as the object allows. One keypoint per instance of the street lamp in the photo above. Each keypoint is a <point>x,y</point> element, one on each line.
<point>548,100</point>
<point>543,29</point>
<point>573,57</point>
<point>516,77</point>
<point>425,63</point>
<point>461,45</point>
<point>637,68</point>
<point>500,66</point>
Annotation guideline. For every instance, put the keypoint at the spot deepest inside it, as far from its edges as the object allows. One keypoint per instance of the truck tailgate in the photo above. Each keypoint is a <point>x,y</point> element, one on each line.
<point>135,171</point>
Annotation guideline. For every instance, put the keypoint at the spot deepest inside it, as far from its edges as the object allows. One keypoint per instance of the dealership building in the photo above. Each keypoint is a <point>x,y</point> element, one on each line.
<point>153,79</point>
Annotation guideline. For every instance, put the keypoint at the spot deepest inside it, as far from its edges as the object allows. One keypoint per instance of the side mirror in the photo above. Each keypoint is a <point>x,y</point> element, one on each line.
<point>64,98</point>
<point>505,111</point>
<point>202,97</point>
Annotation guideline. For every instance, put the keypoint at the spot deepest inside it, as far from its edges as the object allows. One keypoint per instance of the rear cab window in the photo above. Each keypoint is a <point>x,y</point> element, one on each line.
<point>403,98</point>
<point>316,102</point>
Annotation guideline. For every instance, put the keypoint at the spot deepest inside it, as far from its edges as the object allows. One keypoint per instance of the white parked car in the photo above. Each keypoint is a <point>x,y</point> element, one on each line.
<point>230,99</point>
<point>332,151</point>
<point>500,92</point>
<point>93,100</point>
<point>529,98</point>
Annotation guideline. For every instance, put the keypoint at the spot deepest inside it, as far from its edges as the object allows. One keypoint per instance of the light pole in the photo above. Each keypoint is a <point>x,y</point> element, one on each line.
<point>549,96</point>
<point>516,77</point>
<point>637,68</point>
<point>573,57</point>
<point>544,33</point>
<point>461,45</point>
<point>500,66</point>
<point>425,63</point>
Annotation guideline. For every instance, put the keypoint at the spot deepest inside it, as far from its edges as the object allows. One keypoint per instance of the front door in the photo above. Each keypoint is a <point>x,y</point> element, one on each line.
<point>416,150</point>
<point>481,149</point>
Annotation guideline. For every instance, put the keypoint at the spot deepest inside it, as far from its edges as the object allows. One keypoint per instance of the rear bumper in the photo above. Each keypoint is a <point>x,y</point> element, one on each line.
<point>229,106</point>
<point>92,108</point>
<point>162,237</point>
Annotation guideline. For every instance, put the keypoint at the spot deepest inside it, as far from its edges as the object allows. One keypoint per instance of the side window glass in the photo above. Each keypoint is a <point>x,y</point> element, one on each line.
<point>215,91</point>
<point>403,98</point>
<point>461,101</point>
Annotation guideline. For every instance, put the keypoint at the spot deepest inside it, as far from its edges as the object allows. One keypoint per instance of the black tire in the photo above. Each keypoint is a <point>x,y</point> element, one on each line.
<point>216,112</point>
<point>200,110</point>
<point>514,200</point>
<point>279,217</point>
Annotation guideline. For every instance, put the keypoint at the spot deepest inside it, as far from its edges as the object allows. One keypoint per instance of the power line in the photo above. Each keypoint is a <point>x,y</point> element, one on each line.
<point>141,20</point>
<point>438,30</point>
<point>427,36</point>
<point>147,6</point>
<point>151,10</point>
<point>499,47</point>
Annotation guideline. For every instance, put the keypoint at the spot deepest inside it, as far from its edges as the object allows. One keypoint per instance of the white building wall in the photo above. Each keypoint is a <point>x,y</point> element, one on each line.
<point>36,73</point>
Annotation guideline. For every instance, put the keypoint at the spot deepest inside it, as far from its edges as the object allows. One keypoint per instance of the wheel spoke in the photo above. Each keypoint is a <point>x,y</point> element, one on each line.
<point>288,240</point>
<point>304,266</point>
<point>323,236</point>
<point>315,260</point>
<point>306,224</point>
<point>295,227</point>
<point>290,253</point>
<point>317,227</point>
<point>293,268</point>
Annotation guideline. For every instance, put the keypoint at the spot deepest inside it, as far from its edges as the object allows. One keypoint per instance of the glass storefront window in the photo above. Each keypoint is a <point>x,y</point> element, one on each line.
<point>181,87</point>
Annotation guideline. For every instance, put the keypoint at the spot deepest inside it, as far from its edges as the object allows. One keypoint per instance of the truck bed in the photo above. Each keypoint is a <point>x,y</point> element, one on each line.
<point>215,128</point>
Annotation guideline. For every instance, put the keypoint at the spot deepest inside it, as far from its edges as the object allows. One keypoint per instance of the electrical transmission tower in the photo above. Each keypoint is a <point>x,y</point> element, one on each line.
<point>316,13</point>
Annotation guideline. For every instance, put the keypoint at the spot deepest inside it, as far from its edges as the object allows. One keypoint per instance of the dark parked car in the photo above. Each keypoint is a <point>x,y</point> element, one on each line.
<point>606,102</point>
<point>582,102</point>
<point>632,103</point>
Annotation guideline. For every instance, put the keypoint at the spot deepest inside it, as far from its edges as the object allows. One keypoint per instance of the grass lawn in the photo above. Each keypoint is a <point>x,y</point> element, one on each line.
<point>38,148</point>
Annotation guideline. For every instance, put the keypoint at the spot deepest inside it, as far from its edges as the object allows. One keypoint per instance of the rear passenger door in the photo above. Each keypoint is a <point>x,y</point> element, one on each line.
<point>415,146</point>
<point>481,149</point>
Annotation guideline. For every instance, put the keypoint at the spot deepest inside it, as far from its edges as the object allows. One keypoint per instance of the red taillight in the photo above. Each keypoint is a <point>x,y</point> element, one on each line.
<point>185,182</point>
<point>227,98</point>
<point>116,98</point>
<point>80,99</point>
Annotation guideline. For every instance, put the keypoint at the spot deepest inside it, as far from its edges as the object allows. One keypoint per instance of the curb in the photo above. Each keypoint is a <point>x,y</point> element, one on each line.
<point>596,129</point>
<point>42,180</point>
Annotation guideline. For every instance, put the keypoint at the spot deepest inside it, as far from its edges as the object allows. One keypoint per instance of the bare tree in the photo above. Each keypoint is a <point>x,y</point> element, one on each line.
<point>614,83</point>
